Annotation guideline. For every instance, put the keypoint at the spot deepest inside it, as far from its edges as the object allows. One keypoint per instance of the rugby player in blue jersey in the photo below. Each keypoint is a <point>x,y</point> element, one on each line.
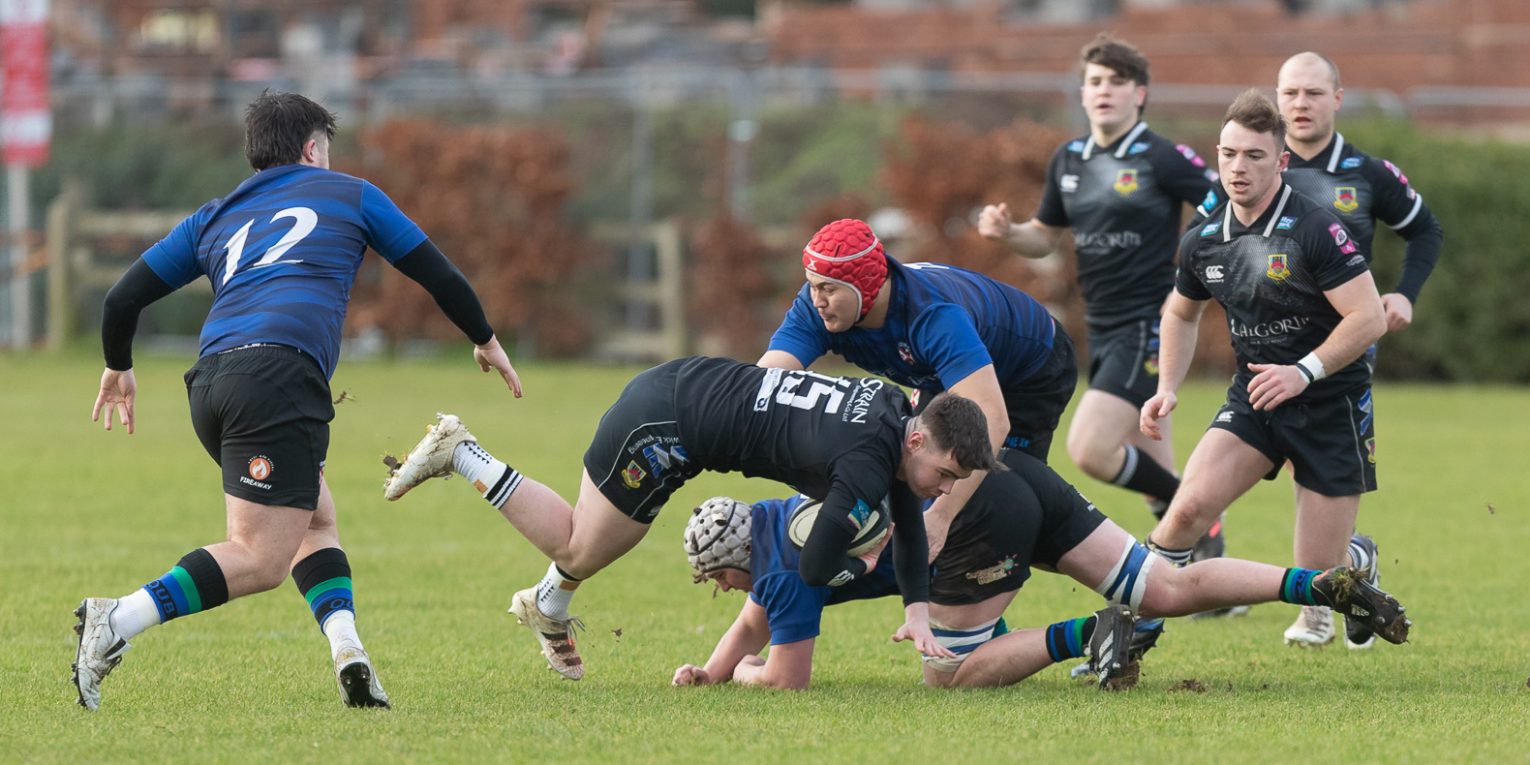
<point>280,252</point>
<point>1026,516</point>
<point>935,328</point>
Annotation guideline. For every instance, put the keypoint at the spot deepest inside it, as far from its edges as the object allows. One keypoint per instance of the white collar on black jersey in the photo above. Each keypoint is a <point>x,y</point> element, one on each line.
<point>1124,144</point>
<point>1269,228</point>
<point>1338,148</point>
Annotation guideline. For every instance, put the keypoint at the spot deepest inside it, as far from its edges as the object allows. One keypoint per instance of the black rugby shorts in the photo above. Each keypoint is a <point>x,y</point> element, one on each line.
<point>636,458</point>
<point>1123,360</point>
<point>263,413</point>
<point>1330,441</point>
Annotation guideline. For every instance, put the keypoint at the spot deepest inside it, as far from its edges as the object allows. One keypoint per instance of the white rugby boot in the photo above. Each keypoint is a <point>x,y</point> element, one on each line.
<point>359,686</point>
<point>99,649</point>
<point>1313,629</point>
<point>556,636</point>
<point>430,458</point>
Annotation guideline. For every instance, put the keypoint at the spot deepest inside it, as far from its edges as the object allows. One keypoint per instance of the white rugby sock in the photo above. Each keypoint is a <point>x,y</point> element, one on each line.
<point>493,479</point>
<point>1358,557</point>
<point>555,592</point>
<point>340,628</point>
<point>135,613</point>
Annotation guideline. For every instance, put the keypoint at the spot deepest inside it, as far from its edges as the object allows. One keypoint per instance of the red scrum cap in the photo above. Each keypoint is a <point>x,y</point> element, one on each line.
<point>846,252</point>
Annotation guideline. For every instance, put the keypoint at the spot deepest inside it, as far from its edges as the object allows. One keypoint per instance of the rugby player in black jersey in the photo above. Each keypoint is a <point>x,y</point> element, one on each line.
<point>849,441</point>
<point>1363,191</point>
<point>1302,308</point>
<point>1121,189</point>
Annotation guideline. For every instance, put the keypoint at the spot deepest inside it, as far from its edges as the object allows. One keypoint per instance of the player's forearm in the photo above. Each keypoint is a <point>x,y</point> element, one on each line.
<point>1176,349</point>
<point>451,290</point>
<point>137,288</point>
<point>911,558</point>
<point>1423,251</point>
<point>1356,332</point>
<point>746,637</point>
<point>1033,239</point>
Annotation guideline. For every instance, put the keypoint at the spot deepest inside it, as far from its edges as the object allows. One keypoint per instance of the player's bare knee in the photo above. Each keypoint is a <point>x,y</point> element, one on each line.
<point>1165,594</point>
<point>269,575</point>
<point>1094,458</point>
<point>1191,510</point>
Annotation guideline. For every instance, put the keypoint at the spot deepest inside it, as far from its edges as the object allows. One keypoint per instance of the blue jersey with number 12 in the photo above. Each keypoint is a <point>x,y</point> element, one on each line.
<point>281,252</point>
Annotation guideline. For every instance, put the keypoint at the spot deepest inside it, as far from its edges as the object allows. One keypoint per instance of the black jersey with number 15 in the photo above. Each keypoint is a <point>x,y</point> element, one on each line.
<point>810,431</point>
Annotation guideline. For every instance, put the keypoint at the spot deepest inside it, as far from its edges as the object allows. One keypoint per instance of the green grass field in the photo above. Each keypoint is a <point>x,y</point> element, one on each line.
<point>89,513</point>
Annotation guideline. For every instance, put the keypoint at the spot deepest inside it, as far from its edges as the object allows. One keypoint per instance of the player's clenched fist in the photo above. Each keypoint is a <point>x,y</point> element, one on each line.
<point>994,221</point>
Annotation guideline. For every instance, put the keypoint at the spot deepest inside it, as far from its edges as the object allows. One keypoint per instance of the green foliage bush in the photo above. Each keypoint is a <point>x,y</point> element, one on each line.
<point>1472,321</point>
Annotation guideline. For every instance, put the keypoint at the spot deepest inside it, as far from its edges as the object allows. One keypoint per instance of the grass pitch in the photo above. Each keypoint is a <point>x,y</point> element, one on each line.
<point>89,513</point>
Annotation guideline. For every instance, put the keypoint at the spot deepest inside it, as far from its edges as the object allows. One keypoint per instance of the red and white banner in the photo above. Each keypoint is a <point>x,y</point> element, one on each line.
<point>26,122</point>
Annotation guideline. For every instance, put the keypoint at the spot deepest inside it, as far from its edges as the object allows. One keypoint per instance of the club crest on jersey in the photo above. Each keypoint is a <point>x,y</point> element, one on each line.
<point>1126,182</point>
<point>1345,200</point>
<point>633,475</point>
<point>906,354</point>
<point>1278,269</point>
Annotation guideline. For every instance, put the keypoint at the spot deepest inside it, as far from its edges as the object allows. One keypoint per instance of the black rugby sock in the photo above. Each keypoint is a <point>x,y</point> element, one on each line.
<point>1144,475</point>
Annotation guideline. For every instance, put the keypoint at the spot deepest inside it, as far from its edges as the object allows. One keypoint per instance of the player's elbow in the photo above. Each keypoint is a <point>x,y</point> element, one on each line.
<point>818,573</point>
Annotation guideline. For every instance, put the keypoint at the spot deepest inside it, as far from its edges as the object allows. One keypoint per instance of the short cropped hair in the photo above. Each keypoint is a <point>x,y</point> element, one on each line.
<point>958,424</point>
<point>1255,111</point>
<point>1119,55</point>
<point>276,125</point>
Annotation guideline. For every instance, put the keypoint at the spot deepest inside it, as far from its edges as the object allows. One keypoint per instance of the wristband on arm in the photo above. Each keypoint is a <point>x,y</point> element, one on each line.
<point>1311,368</point>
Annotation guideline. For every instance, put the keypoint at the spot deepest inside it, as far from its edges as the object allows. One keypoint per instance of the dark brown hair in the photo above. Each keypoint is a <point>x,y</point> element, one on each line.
<point>1255,111</point>
<point>276,125</point>
<point>958,424</point>
<point>1119,55</point>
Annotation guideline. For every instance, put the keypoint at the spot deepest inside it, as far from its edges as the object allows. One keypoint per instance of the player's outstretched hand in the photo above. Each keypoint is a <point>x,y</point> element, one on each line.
<point>690,674</point>
<point>1274,384</point>
<point>994,222</point>
<point>491,356</point>
<point>916,627</point>
<point>1156,408</point>
<point>118,390</point>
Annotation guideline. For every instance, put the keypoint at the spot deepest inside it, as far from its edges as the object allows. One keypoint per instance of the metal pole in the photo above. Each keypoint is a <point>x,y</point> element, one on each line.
<point>17,214</point>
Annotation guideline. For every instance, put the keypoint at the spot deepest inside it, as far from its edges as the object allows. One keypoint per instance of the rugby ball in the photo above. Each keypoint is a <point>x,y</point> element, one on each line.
<point>873,527</point>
